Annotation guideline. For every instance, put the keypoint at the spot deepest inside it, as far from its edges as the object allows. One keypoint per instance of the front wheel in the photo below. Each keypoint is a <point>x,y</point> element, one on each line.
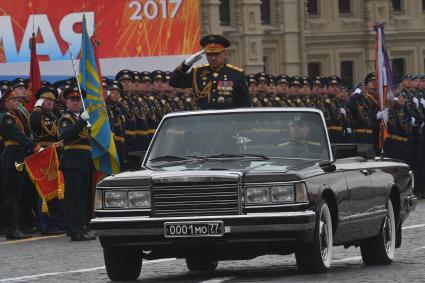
<point>381,248</point>
<point>122,265</point>
<point>316,257</point>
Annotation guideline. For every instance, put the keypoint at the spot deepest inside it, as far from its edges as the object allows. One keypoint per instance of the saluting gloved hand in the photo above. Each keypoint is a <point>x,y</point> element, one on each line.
<point>412,121</point>
<point>85,115</point>
<point>422,101</point>
<point>194,58</point>
<point>343,111</point>
<point>39,102</point>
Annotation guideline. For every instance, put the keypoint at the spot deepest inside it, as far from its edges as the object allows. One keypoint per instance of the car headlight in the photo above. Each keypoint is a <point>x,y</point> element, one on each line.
<point>139,199</point>
<point>283,193</point>
<point>257,195</point>
<point>115,199</point>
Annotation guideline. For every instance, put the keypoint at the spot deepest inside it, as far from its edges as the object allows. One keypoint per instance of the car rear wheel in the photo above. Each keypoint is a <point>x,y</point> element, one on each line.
<point>122,265</point>
<point>381,248</point>
<point>199,263</point>
<point>316,257</point>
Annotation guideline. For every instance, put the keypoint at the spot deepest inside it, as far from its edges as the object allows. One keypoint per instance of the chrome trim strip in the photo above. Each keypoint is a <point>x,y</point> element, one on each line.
<point>364,216</point>
<point>227,229</point>
<point>218,217</point>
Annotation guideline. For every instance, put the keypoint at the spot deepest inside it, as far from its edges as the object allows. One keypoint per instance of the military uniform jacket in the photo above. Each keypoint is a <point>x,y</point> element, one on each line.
<point>398,122</point>
<point>190,104</point>
<point>76,138</point>
<point>18,144</point>
<point>224,88</point>
<point>116,120</point>
<point>44,126</point>
<point>332,113</point>
<point>179,103</point>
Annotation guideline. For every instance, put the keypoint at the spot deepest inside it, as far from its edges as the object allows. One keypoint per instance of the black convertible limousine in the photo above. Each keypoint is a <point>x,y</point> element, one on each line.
<point>237,184</point>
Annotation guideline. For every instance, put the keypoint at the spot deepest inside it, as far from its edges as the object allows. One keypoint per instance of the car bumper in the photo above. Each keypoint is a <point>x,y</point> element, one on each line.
<point>238,227</point>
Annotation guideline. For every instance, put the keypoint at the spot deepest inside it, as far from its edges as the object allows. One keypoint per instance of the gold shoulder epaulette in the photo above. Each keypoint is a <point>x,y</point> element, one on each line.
<point>234,67</point>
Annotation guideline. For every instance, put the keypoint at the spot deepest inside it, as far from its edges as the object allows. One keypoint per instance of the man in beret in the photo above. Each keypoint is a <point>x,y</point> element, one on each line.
<point>17,144</point>
<point>216,85</point>
<point>76,165</point>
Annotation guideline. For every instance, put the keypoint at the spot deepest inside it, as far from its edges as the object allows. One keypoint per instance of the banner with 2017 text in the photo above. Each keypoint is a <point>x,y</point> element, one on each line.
<point>135,34</point>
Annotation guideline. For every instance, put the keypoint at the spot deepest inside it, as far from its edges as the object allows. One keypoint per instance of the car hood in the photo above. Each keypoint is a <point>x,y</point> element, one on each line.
<point>249,171</point>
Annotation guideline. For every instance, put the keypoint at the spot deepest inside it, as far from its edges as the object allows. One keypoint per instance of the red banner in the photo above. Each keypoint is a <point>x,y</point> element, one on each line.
<point>43,169</point>
<point>126,28</point>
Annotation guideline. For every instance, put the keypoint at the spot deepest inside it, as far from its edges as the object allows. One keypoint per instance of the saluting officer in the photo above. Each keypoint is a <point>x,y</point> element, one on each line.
<point>76,165</point>
<point>216,85</point>
<point>17,145</point>
<point>43,120</point>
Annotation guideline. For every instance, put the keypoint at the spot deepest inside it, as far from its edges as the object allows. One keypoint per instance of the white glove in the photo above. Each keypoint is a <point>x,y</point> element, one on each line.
<point>382,115</point>
<point>422,102</point>
<point>416,101</point>
<point>357,91</point>
<point>194,58</point>
<point>40,149</point>
<point>412,121</point>
<point>342,111</point>
<point>39,102</point>
<point>349,131</point>
<point>85,115</point>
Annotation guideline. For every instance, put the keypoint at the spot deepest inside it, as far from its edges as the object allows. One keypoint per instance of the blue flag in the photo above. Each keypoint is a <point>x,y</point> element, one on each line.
<point>104,152</point>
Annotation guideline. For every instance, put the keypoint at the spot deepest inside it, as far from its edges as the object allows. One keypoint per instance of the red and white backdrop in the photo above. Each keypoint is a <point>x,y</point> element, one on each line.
<point>142,35</point>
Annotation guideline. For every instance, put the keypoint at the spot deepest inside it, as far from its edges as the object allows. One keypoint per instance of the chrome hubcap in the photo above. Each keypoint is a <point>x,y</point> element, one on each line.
<point>387,229</point>
<point>324,240</point>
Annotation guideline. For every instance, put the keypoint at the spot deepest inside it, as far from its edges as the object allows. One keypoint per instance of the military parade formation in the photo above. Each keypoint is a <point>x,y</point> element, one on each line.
<point>137,101</point>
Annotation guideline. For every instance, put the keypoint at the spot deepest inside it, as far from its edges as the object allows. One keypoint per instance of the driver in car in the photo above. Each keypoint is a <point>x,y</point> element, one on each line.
<point>300,138</point>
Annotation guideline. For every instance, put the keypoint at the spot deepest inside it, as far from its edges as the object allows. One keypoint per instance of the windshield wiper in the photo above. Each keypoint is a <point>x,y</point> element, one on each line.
<point>168,158</point>
<point>236,155</point>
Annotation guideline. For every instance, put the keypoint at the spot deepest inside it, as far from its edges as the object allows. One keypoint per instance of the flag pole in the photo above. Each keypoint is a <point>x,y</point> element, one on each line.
<point>76,75</point>
<point>78,80</point>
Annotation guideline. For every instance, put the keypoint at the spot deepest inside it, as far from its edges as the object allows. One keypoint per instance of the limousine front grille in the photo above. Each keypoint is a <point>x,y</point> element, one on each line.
<point>200,199</point>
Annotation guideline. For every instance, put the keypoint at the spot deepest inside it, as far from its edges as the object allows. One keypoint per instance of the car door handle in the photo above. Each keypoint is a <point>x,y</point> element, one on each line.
<point>365,172</point>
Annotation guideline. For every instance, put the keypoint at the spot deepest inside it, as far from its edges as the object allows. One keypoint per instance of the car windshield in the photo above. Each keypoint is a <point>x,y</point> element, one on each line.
<point>255,135</point>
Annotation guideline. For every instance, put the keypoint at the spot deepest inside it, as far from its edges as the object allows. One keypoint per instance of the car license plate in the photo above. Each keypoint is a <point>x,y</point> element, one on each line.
<point>193,229</point>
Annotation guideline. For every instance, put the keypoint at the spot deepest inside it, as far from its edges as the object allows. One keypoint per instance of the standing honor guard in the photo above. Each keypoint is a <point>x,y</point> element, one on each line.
<point>44,128</point>
<point>17,146</point>
<point>117,119</point>
<point>216,85</point>
<point>76,165</point>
